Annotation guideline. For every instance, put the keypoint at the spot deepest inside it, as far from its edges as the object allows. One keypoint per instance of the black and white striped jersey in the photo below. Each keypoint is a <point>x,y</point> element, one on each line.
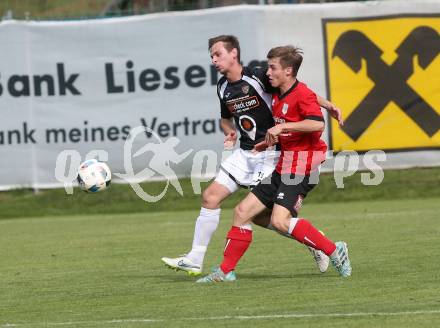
<point>249,101</point>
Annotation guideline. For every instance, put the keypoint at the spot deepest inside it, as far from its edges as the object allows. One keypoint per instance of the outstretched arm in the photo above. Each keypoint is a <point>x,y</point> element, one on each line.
<point>334,111</point>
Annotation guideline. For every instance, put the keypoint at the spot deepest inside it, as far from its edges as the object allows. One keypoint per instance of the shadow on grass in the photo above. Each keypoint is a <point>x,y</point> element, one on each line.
<point>246,277</point>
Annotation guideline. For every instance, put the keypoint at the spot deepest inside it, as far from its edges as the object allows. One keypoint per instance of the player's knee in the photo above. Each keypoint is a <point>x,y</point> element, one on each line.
<point>210,199</point>
<point>241,215</point>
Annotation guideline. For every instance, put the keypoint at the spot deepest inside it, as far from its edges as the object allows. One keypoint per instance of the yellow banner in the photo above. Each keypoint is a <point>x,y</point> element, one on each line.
<point>384,73</point>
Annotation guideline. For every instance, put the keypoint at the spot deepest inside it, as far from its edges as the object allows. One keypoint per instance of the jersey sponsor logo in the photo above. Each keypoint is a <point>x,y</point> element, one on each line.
<point>248,125</point>
<point>243,105</point>
<point>388,84</point>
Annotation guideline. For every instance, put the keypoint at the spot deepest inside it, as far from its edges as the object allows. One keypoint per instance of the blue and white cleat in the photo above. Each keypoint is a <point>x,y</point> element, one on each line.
<point>183,264</point>
<point>340,259</point>
<point>217,275</point>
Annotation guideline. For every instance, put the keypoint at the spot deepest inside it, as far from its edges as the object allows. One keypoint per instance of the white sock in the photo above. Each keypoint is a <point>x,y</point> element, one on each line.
<point>292,224</point>
<point>206,224</point>
<point>246,226</point>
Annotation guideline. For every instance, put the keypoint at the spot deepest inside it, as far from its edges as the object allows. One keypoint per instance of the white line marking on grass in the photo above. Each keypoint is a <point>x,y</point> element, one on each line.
<point>74,323</point>
<point>318,315</point>
<point>238,317</point>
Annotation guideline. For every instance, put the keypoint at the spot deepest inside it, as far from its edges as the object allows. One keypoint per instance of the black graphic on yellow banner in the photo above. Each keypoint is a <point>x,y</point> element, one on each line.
<point>385,75</point>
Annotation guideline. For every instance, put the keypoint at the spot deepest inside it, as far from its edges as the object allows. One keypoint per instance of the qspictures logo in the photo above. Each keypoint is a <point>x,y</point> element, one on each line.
<point>384,72</point>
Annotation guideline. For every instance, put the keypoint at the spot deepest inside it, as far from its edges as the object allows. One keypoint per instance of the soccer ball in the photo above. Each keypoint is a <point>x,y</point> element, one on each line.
<point>93,176</point>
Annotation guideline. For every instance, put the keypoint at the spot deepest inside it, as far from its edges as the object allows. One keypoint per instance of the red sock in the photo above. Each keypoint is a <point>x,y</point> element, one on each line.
<point>237,242</point>
<point>307,234</point>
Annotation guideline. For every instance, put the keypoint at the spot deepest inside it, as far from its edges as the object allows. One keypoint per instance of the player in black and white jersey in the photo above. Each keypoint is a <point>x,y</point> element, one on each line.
<point>245,102</point>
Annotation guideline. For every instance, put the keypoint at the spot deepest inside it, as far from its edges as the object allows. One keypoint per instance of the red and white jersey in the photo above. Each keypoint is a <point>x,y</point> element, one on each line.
<point>301,152</point>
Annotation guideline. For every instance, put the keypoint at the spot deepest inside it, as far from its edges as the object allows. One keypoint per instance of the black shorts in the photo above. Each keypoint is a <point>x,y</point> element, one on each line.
<point>289,194</point>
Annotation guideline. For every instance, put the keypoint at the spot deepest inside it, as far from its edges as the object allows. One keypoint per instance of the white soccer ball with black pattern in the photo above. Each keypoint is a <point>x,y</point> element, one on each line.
<point>94,176</point>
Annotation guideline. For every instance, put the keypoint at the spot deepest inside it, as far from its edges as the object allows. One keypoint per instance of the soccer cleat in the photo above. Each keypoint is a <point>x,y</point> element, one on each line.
<point>217,275</point>
<point>340,259</point>
<point>183,264</point>
<point>321,259</point>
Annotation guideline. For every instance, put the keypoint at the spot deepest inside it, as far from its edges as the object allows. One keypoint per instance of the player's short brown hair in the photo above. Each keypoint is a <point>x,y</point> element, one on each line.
<point>289,56</point>
<point>230,42</point>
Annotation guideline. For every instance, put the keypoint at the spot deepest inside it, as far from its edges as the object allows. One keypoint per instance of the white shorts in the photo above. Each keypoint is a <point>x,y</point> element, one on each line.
<point>246,169</point>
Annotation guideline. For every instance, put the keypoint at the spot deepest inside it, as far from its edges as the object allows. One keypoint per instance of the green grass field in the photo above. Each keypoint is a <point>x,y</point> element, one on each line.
<point>104,270</point>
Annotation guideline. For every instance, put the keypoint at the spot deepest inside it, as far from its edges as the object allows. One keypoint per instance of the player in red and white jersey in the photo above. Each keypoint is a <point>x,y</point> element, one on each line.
<point>245,105</point>
<point>298,127</point>
<point>301,152</point>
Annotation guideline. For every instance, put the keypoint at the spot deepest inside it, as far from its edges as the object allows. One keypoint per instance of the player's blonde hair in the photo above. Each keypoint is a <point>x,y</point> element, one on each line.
<point>289,56</point>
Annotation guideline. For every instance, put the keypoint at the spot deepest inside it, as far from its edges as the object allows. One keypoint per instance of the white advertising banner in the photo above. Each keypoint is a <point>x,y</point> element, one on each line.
<point>71,90</point>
